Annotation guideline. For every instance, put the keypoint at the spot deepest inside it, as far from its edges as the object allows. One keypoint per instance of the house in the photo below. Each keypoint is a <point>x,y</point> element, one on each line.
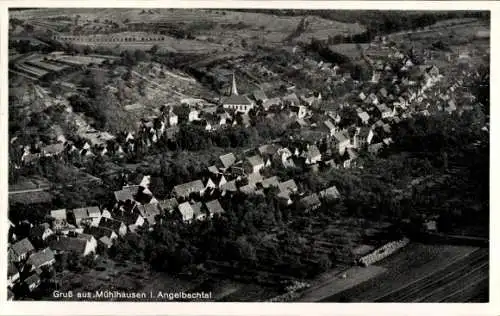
<point>364,117</point>
<point>329,194</point>
<point>40,259</point>
<point>254,178</point>
<point>227,160</point>
<point>362,96</point>
<point>383,92</point>
<point>351,157</point>
<point>375,148</point>
<point>199,212</point>
<point>431,226</point>
<point>340,141</point>
<point>194,115</point>
<point>213,169</point>
<point>214,207</point>
<point>286,188</point>
<point>310,202</point>
<point>134,193</point>
<point>330,127</point>
<point>273,102</point>
<point>284,156</point>
<point>53,150</point>
<point>12,274</point>
<point>384,111</point>
<point>168,205</point>
<point>114,225</point>
<point>291,99</point>
<point>299,110</point>
<point>313,155</point>
<point>82,246</point>
<point>215,180</point>
<point>129,215</point>
<point>268,151</point>
<point>299,123</point>
<point>102,232</point>
<point>149,212</point>
<point>172,119</point>
<point>22,250</point>
<point>259,96</point>
<point>41,232</point>
<point>363,136</point>
<point>186,189</point>
<point>186,211</point>
<point>32,282</point>
<point>253,164</point>
<point>105,241</point>
<point>85,216</point>
<point>270,182</point>
<point>229,186</point>
<point>60,218</point>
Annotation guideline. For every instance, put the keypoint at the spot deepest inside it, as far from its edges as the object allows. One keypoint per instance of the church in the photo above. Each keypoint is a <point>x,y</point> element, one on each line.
<point>236,102</point>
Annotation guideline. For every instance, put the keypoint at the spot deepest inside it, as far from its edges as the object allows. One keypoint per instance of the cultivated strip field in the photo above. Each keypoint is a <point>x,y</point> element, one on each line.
<point>416,267</point>
<point>446,284</point>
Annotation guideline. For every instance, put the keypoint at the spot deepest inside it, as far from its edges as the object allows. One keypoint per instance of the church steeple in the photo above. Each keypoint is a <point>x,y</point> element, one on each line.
<point>234,91</point>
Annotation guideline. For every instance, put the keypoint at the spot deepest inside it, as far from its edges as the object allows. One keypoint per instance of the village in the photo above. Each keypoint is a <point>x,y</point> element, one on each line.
<point>315,133</point>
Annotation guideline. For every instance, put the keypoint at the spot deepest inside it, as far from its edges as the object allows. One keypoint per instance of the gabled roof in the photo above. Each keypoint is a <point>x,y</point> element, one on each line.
<point>186,210</point>
<point>330,193</point>
<point>213,169</point>
<point>255,160</point>
<point>237,100</point>
<point>86,212</point>
<point>310,201</point>
<point>227,160</point>
<point>39,230</point>
<point>32,279</point>
<point>259,95</point>
<point>268,149</point>
<point>75,244</point>
<point>292,98</point>
<point>270,182</point>
<point>364,116</point>
<point>188,188</point>
<point>382,107</point>
<point>229,186</point>
<point>149,211</point>
<point>214,207</point>
<point>169,204</point>
<point>340,137</point>
<point>106,241</point>
<point>11,270</point>
<point>329,125</point>
<point>110,224</point>
<point>254,178</point>
<point>22,247</point>
<point>197,209</point>
<point>364,131</point>
<point>40,258</point>
<point>288,186</point>
<point>313,152</point>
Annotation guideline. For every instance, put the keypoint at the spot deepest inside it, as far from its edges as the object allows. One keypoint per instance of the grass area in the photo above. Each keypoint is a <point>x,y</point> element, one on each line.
<point>411,263</point>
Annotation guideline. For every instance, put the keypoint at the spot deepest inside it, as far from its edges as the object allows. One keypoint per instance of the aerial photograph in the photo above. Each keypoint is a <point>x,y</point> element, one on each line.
<point>248,155</point>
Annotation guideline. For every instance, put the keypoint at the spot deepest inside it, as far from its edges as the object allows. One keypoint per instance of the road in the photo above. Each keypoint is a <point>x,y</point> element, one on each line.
<point>445,284</point>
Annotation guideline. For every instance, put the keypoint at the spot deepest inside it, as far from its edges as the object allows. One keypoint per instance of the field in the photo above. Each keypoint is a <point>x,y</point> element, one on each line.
<point>423,273</point>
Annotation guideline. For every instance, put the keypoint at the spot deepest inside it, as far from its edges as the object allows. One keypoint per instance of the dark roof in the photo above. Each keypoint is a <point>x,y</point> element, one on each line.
<point>214,207</point>
<point>99,231</point>
<point>22,247</point>
<point>69,244</point>
<point>364,131</point>
<point>268,149</point>
<point>39,230</point>
<point>133,193</point>
<point>110,224</point>
<point>149,211</point>
<point>12,270</point>
<point>237,100</point>
<point>41,257</point>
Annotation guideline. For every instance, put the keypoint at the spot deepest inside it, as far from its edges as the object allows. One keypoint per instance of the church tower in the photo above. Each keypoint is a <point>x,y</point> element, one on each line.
<point>234,91</point>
